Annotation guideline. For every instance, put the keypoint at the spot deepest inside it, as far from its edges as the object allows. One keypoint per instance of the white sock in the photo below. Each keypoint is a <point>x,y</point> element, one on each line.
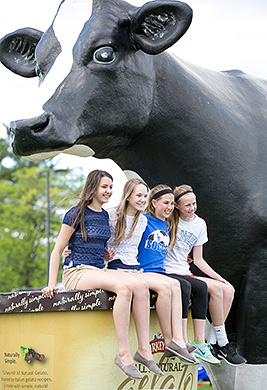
<point>212,336</point>
<point>220,334</point>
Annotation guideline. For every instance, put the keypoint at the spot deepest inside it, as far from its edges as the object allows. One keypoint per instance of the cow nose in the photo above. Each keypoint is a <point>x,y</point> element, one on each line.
<point>12,128</point>
<point>24,133</point>
<point>12,135</point>
<point>36,124</point>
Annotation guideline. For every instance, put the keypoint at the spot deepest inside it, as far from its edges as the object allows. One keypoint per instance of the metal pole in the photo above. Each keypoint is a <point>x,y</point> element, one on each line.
<point>47,223</point>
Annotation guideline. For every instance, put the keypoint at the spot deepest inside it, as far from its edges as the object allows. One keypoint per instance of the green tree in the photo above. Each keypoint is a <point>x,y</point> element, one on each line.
<point>23,206</point>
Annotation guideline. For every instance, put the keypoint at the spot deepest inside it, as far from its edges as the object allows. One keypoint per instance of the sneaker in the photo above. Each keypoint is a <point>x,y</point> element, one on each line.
<point>229,354</point>
<point>203,353</point>
<point>214,349</point>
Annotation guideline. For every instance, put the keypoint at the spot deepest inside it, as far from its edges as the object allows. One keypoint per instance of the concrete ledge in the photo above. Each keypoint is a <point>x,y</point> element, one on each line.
<point>237,378</point>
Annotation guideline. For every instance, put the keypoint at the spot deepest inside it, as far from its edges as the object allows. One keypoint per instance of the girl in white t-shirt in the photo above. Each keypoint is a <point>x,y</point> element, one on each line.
<point>191,236</point>
<point>127,225</point>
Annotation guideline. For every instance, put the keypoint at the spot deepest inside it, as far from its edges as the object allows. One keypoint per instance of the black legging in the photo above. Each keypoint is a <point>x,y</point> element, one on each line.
<point>196,290</point>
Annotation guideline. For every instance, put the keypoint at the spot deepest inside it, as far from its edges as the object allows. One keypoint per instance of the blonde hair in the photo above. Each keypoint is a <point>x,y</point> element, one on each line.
<point>150,209</point>
<point>178,191</point>
<point>122,210</point>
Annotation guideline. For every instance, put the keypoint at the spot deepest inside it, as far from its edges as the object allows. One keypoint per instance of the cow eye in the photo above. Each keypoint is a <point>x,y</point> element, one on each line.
<point>104,55</point>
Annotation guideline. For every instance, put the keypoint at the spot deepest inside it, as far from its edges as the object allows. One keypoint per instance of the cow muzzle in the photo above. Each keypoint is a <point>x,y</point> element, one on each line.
<point>37,139</point>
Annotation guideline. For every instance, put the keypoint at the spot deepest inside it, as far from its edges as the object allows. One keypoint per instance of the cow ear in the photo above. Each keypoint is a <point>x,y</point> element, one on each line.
<point>17,51</point>
<point>159,24</point>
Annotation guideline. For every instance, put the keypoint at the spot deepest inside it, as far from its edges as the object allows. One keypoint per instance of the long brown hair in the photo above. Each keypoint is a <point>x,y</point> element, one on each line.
<point>150,209</point>
<point>122,210</point>
<point>89,190</point>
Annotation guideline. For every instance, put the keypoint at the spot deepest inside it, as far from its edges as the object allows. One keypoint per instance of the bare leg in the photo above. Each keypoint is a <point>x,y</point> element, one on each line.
<point>140,310</point>
<point>221,298</point>
<point>163,305</point>
<point>177,322</point>
<point>111,281</point>
<point>184,322</point>
<point>168,306</point>
<point>199,330</point>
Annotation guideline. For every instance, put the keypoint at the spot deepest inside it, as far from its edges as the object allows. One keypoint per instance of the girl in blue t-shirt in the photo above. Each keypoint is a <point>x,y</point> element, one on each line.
<point>157,239</point>
<point>128,227</point>
<point>86,228</point>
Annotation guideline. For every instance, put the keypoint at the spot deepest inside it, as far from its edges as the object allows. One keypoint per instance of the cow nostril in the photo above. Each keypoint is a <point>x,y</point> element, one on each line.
<point>35,125</point>
<point>40,126</point>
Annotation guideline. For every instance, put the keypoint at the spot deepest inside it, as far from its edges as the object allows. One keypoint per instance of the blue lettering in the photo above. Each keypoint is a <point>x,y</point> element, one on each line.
<point>148,244</point>
<point>156,246</point>
<point>186,237</point>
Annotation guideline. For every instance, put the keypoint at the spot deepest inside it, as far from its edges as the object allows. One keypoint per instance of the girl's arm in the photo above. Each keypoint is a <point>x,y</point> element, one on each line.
<point>204,266</point>
<point>62,240</point>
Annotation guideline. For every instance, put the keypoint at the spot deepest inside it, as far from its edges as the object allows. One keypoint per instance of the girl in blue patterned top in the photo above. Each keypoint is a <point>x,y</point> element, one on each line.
<point>86,228</point>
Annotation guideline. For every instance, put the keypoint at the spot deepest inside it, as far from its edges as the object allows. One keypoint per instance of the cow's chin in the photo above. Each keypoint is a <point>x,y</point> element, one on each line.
<point>77,150</point>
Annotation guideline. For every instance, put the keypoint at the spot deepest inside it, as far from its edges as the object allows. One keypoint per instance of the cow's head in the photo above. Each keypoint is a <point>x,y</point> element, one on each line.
<point>96,72</point>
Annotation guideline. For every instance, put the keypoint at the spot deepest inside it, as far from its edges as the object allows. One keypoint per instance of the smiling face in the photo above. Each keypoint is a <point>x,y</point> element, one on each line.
<point>163,206</point>
<point>137,199</point>
<point>103,192</point>
<point>187,206</point>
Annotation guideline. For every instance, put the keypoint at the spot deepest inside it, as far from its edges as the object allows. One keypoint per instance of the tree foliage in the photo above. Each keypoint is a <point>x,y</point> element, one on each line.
<point>23,207</point>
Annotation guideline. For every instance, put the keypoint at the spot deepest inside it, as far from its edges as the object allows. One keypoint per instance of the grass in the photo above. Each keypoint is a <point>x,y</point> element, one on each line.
<point>204,385</point>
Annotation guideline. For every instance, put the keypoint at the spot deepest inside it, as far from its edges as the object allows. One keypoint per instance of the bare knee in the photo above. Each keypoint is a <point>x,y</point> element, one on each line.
<point>125,290</point>
<point>141,289</point>
<point>164,289</point>
<point>216,291</point>
<point>229,292</point>
<point>175,286</point>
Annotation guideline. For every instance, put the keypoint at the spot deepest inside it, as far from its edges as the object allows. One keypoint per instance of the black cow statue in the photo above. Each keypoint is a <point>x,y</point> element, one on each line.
<point>113,88</point>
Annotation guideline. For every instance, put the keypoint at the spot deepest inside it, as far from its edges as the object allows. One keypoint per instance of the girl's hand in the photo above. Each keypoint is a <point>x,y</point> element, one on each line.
<point>223,281</point>
<point>66,252</point>
<point>108,255</point>
<point>49,291</point>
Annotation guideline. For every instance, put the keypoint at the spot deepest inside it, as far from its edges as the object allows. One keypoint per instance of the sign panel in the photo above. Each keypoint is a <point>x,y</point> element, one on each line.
<point>75,349</point>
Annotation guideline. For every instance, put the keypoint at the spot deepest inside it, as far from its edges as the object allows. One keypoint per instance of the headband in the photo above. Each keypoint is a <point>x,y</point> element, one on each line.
<point>162,192</point>
<point>182,194</point>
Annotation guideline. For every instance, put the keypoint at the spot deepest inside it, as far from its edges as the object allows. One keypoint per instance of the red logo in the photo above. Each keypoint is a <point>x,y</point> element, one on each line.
<point>157,344</point>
